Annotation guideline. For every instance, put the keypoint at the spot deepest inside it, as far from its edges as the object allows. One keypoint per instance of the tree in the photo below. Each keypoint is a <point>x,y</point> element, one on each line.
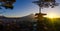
<point>7,4</point>
<point>41,26</point>
<point>46,3</point>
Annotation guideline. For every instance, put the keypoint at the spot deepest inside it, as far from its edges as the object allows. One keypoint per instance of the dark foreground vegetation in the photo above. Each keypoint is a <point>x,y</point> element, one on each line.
<point>17,26</point>
<point>52,25</point>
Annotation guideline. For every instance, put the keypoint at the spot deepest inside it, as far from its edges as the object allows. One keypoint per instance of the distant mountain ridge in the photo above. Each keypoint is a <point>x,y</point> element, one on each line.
<point>30,17</point>
<point>25,18</point>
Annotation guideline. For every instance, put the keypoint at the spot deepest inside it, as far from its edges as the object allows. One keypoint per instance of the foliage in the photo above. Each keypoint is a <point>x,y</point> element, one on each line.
<point>7,4</point>
<point>46,3</point>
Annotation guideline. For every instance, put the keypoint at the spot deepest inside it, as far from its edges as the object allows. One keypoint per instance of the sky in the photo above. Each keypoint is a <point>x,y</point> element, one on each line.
<point>26,7</point>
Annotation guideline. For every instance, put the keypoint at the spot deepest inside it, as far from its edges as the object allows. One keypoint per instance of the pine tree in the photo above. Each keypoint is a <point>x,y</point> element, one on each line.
<point>41,26</point>
<point>7,4</point>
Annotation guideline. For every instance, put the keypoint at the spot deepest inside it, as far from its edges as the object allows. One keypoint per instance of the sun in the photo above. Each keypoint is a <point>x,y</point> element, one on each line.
<point>51,15</point>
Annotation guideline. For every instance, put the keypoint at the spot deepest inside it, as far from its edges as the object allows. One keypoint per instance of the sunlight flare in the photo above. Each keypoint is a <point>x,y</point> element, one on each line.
<point>52,15</point>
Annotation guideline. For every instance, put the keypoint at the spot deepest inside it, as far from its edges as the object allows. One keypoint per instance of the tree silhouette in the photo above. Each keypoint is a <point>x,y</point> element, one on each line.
<point>7,4</point>
<point>41,26</point>
<point>46,3</point>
